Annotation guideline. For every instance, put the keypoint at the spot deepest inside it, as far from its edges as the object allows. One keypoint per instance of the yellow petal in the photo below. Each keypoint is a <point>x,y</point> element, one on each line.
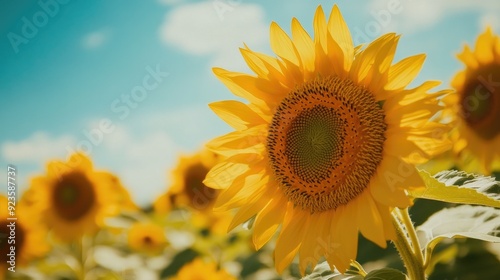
<point>484,47</point>
<point>252,206</point>
<point>263,65</point>
<point>404,72</point>
<point>268,220</point>
<point>221,174</point>
<point>412,115</point>
<point>304,45</point>
<point>393,177</point>
<point>380,72</point>
<point>250,141</point>
<point>468,57</point>
<point>341,34</point>
<point>290,238</point>
<point>236,114</point>
<point>320,29</point>
<point>243,85</point>
<point>369,220</point>
<point>385,214</point>
<point>364,62</point>
<point>236,195</point>
<point>282,45</point>
<point>313,246</point>
<point>335,59</point>
<point>346,235</point>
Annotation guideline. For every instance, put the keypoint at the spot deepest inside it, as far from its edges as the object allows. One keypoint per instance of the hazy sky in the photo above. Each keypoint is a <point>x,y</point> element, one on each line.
<point>129,81</point>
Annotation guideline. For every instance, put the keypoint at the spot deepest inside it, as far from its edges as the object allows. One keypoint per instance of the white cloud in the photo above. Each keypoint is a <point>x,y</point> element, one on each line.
<point>141,160</point>
<point>215,28</point>
<point>422,14</point>
<point>37,148</point>
<point>141,151</point>
<point>95,39</point>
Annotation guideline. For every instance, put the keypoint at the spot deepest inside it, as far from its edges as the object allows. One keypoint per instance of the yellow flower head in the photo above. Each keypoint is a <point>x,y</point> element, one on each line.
<point>147,238</point>
<point>73,198</point>
<point>188,189</point>
<point>326,145</point>
<point>26,234</point>
<point>200,270</point>
<point>475,107</point>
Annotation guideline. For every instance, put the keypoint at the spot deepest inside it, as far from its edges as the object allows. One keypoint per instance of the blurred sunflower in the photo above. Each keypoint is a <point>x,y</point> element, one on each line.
<point>200,270</point>
<point>189,191</point>
<point>147,238</point>
<point>30,239</point>
<point>475,108</point>
<point>122,196</point>
<point>73,198</point>
<point>324,147</point>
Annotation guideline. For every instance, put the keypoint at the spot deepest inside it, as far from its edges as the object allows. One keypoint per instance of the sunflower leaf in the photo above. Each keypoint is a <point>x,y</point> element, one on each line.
<point>459,187</point>
<point>464,221</point>
<point>385,274</point>
<point>323,272</point>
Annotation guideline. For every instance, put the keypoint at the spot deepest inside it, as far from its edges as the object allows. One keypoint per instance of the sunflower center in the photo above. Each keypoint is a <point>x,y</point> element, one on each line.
<point>325,142</point>
<point>314,138</point>
<point>73,196</point>
<point>200,195</point>
<point>480,102</point>
<point>147,240</point>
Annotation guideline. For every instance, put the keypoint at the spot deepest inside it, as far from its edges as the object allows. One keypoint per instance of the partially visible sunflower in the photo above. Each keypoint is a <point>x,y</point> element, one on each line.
<point>30,235</point>
<point>189,191</point>
<point>200,270</point>
<point>72,198</point>
<point>148,238</point>
<point>325,148</point>
<point>121,194</point>
<point>475,107</point>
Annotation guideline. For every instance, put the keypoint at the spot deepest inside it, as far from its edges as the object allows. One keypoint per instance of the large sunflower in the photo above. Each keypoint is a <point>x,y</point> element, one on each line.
<point>73,198</point>
<point>475,107</point>
<point>325,146</point>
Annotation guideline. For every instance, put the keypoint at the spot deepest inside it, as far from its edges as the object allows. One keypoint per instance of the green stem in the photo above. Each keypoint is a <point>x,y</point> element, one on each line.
<point>413,263</point>
<point>405,217</point>
<point>81,256</point>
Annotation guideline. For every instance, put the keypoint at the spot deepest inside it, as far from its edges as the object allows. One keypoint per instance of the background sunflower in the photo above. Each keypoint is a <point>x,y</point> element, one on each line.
<point>475,107</point>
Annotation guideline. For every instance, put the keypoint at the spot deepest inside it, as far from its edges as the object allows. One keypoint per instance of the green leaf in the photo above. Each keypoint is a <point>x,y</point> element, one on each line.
<point>459,187</point>
<point>385,274</point>
<point>322,272</point>
<point>476,222</point>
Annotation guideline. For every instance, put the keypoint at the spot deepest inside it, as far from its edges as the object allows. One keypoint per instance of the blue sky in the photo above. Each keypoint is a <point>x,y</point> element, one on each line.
<point>70,68</point>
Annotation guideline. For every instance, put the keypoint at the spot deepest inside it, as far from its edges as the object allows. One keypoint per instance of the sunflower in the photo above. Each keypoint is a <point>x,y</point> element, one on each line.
<point>326,145</point>
<point>188,191</point>
<point>475,107</point>
<point>73,198</point>
<point>200,270</point>
<point>147,238</point>
<point>30,235</point>
<point>121,194</point>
